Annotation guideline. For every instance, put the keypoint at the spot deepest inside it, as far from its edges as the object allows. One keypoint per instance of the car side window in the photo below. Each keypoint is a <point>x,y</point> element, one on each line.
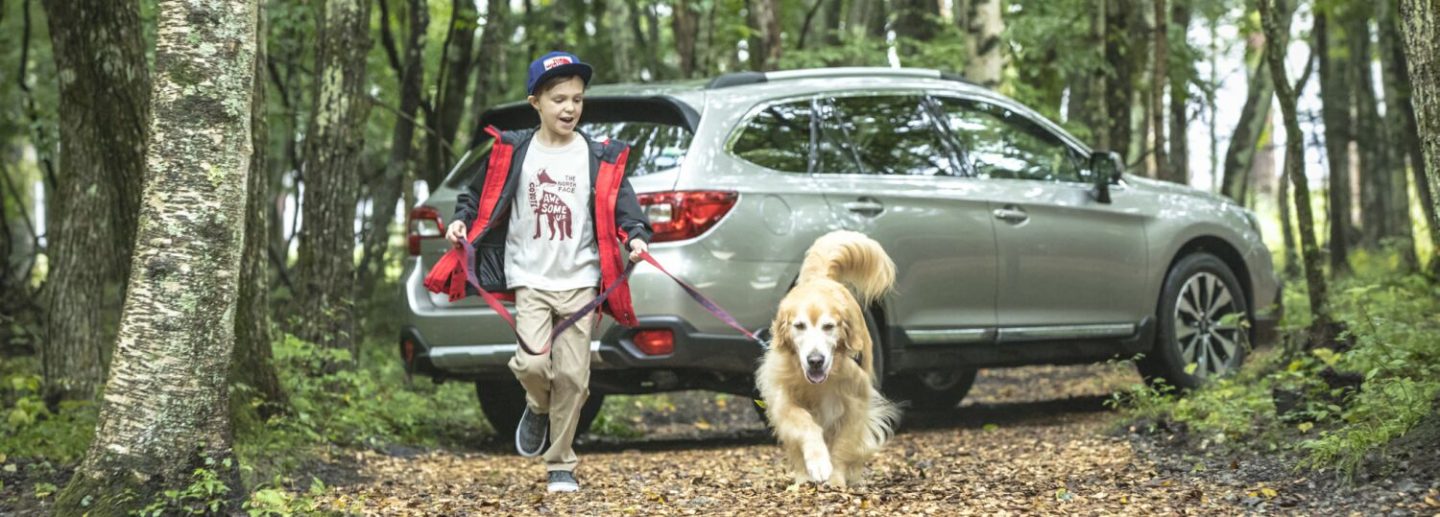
<point>892,135</point>
<point>777,137</point>
<point>1000,143</point>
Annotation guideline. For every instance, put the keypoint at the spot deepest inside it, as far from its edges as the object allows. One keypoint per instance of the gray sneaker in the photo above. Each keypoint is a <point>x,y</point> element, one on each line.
<point>563,481</point>
<point>531,433</point>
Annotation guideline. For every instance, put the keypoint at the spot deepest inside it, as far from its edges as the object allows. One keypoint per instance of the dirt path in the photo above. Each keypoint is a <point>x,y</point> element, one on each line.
<point>1030,440</point>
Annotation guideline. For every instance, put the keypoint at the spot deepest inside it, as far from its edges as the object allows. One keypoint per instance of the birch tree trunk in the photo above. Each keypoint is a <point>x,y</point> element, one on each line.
<point>166,409</point>
<point>325,274</point>
<point>1294,168</point>
<point>1420,23</point>
<point>104,109</point>
<point>984,50</point>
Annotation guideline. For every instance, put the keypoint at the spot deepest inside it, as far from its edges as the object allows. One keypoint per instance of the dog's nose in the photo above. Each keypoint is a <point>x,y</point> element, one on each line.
<point>815,361</point>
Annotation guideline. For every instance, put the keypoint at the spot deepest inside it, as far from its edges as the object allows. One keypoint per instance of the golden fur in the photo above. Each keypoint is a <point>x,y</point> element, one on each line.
<point>817,378</point>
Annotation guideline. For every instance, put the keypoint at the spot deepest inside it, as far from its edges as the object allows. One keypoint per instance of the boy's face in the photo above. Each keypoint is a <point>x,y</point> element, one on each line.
<point>560,106</point>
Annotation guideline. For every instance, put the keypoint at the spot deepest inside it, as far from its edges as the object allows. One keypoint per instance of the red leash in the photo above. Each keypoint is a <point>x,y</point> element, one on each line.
<point>499,308</point>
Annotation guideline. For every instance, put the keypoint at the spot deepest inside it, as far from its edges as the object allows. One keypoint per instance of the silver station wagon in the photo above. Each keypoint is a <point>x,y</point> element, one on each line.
<point>1014,242</point>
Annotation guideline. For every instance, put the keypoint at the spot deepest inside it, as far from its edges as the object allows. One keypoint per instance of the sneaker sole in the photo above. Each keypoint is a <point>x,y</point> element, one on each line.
<point>565,487</point>
<point>521,450</point>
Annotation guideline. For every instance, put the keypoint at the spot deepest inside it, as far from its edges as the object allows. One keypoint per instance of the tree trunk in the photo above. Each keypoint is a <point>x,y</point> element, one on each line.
<point>765,46</point>
<point>1287,231</point>
<point>450,102</point>
<point>165,410</point>
<point>1335,92</point>
<point>916,19</point>
<point>1420,23</point>
<point>325,275</point>
<point>1371,164</point>
<point>1180,100</point>
<point>253,337</point>
<point>1294,167</point>
<point>1399,136</point>
<point>1244,141</point>
<point>984,48</point>
<point>685,24</point>
<point>1163,169</point>
<point>387,190</point>
<point>1125,53</point>
<point>104,108</point>
<point>490,61</point>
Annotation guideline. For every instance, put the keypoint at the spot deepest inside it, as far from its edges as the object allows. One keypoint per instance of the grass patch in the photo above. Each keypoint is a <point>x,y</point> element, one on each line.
<point>1322,415</point>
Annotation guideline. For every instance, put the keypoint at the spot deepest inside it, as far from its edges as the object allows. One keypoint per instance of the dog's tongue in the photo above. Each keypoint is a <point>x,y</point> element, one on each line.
<point>816,376</point>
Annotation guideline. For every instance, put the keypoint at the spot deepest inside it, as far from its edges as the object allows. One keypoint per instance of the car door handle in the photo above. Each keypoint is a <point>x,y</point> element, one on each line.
<point>1011,214</point>
<point>866,206</point>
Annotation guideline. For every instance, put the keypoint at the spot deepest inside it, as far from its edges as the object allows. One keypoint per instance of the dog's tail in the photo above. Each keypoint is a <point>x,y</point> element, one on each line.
<point>880,424</point>
<point>853,258</point>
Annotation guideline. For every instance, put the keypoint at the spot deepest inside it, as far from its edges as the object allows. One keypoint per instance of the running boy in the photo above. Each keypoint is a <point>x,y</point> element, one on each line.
<point>553,209</point>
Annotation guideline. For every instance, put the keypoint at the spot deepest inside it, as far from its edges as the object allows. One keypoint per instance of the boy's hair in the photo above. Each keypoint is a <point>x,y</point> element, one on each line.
<point>552,82</point>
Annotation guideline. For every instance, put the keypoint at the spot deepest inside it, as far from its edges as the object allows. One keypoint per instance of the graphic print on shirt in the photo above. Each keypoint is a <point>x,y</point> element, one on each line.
<point>551,208</point>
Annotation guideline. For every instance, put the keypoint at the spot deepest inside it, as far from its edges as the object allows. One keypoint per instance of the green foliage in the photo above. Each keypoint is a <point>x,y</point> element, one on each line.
<point>369,406</point>
<point>1392,320</point>
<point>31,430</point>
<point>205,495</point>
<point>268,502</point>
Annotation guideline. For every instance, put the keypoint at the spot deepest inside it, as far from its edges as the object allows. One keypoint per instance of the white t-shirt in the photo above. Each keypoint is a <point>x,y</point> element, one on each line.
<point>551,243</point>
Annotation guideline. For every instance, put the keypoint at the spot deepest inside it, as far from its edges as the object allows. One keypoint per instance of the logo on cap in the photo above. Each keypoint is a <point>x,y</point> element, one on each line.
<point>557,61</point>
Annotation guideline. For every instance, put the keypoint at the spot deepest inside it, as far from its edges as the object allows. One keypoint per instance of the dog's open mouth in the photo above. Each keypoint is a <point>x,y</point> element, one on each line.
<point>817,375</point>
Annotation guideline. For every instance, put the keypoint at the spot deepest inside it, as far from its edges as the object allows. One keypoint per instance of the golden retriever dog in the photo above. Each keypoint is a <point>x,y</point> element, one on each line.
<point>817,378</point>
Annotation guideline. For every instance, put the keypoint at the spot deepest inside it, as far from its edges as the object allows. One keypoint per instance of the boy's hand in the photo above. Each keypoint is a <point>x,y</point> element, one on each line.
<point>455,233</point>
<point>637,247</point>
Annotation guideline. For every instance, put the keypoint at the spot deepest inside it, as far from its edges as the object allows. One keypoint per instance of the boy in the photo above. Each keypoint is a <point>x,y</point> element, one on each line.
<point>554,207</point>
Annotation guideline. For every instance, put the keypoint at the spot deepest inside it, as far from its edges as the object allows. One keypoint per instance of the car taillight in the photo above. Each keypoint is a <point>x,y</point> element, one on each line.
<point>681,215</point>
<point>423,223</point>
<point>655,342</point>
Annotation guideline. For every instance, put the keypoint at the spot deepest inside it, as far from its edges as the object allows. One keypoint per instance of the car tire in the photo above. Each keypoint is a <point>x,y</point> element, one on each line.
<point>502,401</point>
<point>933,389</point>
<point>1194,326</point>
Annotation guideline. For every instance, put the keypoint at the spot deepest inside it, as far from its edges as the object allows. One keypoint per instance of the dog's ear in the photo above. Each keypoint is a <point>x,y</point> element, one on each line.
<point>780,331</point>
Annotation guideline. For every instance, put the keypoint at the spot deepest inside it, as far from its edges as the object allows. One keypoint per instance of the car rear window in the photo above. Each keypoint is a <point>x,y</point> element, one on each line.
<point>657,130</point>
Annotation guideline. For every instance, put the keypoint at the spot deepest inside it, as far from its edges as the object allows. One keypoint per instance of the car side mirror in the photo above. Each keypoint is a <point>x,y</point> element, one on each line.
<point>1105,167</point>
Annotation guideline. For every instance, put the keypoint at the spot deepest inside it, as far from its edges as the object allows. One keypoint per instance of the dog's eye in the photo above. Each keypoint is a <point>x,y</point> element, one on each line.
<point>828,327</point>
<point>799,325</point>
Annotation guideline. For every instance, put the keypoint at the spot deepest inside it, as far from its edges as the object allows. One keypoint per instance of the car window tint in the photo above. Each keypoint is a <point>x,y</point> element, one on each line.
<point>778,138</point>
<point>881,134</point>
<point>1000,143</point>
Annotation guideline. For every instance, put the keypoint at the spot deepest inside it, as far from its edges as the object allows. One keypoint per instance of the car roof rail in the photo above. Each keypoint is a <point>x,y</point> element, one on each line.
<point>748,78</point>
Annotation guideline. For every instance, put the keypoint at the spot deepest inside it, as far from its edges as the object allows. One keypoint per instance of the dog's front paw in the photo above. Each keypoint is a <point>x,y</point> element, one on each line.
<point>817,464</point>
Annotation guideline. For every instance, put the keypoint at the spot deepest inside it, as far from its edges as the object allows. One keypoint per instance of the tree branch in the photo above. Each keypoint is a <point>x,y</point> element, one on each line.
<point>387,38</point>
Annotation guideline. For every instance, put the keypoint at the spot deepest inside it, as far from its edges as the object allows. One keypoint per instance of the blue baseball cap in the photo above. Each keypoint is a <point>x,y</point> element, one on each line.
<point>556,64</point>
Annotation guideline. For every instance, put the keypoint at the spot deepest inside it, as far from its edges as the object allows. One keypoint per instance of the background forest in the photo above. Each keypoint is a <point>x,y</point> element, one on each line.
<point>360,106</point>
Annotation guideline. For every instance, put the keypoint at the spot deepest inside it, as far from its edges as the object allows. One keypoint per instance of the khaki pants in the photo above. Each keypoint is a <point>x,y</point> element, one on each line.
<point>557,382</point>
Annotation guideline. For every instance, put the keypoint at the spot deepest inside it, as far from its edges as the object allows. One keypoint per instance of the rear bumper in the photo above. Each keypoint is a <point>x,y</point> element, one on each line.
<point>700,360</point>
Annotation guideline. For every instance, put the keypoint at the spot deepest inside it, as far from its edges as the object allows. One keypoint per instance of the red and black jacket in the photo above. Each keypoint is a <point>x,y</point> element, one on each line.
<point>485,207</point>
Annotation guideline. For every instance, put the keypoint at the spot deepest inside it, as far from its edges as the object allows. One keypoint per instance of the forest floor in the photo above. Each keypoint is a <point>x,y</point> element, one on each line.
<point>1034,440</point>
